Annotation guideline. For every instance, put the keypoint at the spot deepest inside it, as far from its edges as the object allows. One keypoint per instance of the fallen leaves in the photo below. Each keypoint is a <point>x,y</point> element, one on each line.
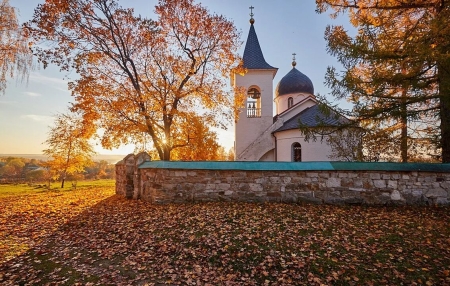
<point>93,237</point>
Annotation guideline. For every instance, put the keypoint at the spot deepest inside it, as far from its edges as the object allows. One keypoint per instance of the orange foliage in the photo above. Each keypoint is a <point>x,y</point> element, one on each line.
<point>202,143</point>
<point>138,76</point>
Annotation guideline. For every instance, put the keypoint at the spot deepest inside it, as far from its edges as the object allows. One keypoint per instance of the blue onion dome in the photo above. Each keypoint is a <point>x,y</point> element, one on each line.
<point>294,82</point>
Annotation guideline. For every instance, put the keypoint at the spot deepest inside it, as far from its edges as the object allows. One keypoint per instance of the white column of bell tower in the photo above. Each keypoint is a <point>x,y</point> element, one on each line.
<point>251,123</point>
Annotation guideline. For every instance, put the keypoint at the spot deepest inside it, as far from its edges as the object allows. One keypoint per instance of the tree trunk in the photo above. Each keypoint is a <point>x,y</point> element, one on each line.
<point>404,127</point>
<point>62,183</point>
<point>166,154</point>
<point>444,98</point>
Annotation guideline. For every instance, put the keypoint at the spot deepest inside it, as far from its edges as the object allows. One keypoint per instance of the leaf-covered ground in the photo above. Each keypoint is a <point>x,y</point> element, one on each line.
<point>92,237</point>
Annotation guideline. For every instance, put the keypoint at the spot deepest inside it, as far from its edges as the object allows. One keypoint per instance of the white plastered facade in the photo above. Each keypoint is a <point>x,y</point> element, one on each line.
<point>257,139</point>
<point>261,136</point>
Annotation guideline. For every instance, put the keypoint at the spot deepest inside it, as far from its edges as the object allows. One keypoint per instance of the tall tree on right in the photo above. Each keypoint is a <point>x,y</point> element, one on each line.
<point>396,68</point>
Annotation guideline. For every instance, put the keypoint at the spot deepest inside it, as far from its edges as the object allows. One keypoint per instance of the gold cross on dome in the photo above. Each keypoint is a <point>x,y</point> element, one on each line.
<point>251,11</point>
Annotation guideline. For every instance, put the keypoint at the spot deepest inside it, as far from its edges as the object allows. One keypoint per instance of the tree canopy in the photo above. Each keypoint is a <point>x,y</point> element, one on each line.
<point>16,58</point>
<point>141,78</point>
<point>396,70</point>
<point>69,146</point>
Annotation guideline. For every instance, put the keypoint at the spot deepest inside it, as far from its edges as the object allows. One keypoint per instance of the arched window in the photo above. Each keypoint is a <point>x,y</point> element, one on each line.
<point>290,102</point>
<point>253,102</point>
<point>296,152</point>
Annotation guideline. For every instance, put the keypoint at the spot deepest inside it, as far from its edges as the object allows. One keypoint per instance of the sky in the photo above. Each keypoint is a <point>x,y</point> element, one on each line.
<point>283,28</point>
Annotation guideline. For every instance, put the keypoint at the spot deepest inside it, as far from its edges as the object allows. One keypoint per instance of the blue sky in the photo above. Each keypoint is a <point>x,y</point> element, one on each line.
<point>283,27</point>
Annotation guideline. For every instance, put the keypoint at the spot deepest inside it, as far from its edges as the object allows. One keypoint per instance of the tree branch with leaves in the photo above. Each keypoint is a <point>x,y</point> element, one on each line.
<point>138,75</point>
<point>16,58</point>
<point>396,69</point>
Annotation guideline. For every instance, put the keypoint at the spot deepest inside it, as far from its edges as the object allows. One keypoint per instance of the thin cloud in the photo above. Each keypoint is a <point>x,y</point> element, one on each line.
<point>54,82</point>
<point>39,118</point>
<point>8,102</point>
<point>33,94</point>
<point>38,77</point>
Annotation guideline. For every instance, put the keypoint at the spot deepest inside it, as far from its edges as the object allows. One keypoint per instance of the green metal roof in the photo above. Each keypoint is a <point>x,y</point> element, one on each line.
<point>295,166</point>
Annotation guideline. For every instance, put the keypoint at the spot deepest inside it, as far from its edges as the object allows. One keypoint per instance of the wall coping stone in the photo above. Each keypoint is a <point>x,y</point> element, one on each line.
<point>296,166</point>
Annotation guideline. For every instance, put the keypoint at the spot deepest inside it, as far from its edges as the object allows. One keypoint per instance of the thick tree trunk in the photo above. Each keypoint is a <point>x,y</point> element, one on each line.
<point>443,65</point>
<point>444,98</point>
<point>166,155</point>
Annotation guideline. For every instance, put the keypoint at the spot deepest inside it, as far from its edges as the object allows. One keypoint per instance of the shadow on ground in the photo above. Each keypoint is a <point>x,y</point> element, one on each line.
<point>129,242</point>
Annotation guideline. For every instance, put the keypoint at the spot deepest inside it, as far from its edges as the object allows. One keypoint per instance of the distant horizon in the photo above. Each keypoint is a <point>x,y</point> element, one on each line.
<point>28,154</point>
<point>110,158</point>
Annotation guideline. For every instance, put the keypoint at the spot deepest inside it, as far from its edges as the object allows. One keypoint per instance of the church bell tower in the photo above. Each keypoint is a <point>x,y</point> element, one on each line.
<point>257,114</point>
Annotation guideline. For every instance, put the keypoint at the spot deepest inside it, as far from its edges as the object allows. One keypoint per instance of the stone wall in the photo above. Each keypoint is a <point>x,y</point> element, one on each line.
<point>171,185</point>
<point>128,175</point>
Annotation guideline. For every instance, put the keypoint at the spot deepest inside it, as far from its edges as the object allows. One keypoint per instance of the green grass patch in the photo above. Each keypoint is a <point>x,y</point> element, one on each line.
<point>9,190</point>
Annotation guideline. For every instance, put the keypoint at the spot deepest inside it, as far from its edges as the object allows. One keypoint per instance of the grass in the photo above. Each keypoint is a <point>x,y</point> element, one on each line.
<point>90,236</point>
<point>39,188</point>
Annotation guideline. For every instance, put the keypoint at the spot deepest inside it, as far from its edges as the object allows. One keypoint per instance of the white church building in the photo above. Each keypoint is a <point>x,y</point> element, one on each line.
<point>259,134</point>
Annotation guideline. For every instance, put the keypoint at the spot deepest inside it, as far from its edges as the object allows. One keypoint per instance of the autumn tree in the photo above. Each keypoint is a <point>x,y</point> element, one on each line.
<point>69,146</point>
<point>36,175</point>
<point>138,76</point>
<point>396,68</point>
<point>13,167</point>
<point>202,143</point>
<point>100,170</point>
<point>15,56</point>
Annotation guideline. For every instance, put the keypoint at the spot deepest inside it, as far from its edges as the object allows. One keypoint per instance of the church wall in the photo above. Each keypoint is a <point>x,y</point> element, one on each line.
<point>389,184</point>
<point>282,101</point>
<point>311,151</point>
<point>268,157</point>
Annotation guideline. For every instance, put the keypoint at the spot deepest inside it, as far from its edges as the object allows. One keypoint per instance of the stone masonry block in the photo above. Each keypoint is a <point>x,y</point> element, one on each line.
<point>223,186</point>
<point>255,187</point>
<point>275,180</point>
<point>392,184</point>
<point>180,173</point>
<point>381,184</point>
<point>396,196</point>
<point>333,182</point>
<point>435,193</point>
<point>375,176</point>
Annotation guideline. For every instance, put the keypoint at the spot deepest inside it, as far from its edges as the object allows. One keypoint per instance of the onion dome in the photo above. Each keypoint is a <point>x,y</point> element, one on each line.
<point>294,82</point>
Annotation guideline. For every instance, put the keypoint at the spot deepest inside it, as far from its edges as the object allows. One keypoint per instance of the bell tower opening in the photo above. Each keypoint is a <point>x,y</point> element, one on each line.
<point>253,102</point>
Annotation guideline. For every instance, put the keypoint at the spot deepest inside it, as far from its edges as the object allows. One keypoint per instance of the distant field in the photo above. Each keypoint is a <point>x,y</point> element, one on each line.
<point>112,159</point>
<point>31,189</point>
